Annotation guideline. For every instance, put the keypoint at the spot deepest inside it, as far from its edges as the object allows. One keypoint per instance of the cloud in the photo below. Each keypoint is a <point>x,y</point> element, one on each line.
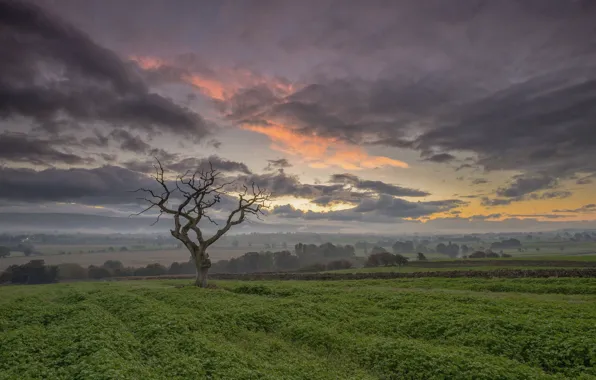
<point>479,181</point>
<point>397,207</point>
<point>57,76</point>
<point>525,184</point>
<point>281,184</point>
<point>558,194</point>
<point>464,166</point>
<point>585,180</point>
<point>496,201</point>
<point>178,164</point>
<point>383,209</point>
<point>279,164</point>
<point>20,148</point>
<point>287,211</point>
<point>485,217</point>
<point>217,162</point>
<point>555,194</point>
<point>376,186</point>
<point>470,196</point>
<point>103,185</point>
<point>319,151</point>
<point>588,208</point>
<point>546,216</point>
<point>432,76</point>
<point>441,158</point>
<point>129,142</point>
<point>218,83</point>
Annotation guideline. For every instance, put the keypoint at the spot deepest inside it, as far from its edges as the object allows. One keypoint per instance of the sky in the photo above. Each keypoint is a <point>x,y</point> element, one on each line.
<point>357,116</point>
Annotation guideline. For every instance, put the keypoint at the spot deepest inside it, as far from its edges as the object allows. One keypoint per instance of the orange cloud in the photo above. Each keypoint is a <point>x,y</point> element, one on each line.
<point>322,152</point>
<point>212,88</point>
<point>148,63</point>
<point>317,151</point>
<point>224,83</point>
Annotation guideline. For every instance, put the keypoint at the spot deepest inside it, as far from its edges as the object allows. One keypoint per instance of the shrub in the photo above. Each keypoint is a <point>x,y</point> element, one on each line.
<point>182,268</point>
<point>339,264</point>
<point>477,255</point>
<point>71,271</point>
<point>316,267</point>
<point>96,273</point>
<point>34,272</point>
<point>151,270</point>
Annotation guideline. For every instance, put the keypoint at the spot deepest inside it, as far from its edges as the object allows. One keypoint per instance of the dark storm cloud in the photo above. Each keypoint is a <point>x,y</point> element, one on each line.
<point>23,149</point>
<point>385,208</point>
<point>523,184</point>
<point>397,207</point>
<point>56,75</point>
<point>218,163</point>
<point>250,105</point>
<point>435,76</point>
<point>441,158</point>
<point>376,186</point>
<point>281,184</point>
<point>103,185</point>
<point>428,75</point>
<point>177,164</point>
<point>287,211</point>
<point>281,163</point>
<point>97,140</point>
<point>515,193</point>
<point>496,201</point>
<point>130,142</point>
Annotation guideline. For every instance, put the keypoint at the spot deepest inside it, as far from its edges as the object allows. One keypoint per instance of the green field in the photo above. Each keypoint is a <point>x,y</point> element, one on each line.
<point>414,269</point>
<point>374,329</point>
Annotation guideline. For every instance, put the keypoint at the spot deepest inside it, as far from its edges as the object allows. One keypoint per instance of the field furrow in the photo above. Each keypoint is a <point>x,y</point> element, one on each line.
<point>373,329</point>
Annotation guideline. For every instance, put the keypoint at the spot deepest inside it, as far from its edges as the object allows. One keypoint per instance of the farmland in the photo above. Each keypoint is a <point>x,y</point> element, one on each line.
<point>368,329</point>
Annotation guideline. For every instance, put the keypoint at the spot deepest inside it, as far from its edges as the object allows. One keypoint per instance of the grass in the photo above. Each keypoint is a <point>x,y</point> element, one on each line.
<point>373,329</point>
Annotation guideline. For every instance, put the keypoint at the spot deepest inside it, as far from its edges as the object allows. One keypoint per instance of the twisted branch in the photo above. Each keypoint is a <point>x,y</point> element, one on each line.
<point>200,192</point>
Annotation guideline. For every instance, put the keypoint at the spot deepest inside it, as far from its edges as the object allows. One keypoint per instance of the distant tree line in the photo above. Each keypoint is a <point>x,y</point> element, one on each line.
<point>450,249</point>
<point>37,272</point>
<point>305,255</point>
<point>380,257</point>
<point>27,249</point>
<point>34,272</point>
<point>505,244</point>
<point>322,257</point>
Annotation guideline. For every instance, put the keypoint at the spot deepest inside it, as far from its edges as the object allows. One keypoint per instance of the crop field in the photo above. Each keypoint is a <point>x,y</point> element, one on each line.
<point>426,328</point>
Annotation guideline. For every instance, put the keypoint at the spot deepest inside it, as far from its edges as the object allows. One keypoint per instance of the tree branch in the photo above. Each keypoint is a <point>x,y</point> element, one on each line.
<point>199,193</point>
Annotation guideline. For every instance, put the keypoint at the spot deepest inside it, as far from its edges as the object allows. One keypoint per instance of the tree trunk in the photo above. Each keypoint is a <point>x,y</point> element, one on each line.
<point>201,280</point>
<point>202,264</point>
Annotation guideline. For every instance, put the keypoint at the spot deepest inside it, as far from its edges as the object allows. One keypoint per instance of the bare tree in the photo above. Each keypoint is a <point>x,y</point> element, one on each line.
<point>196,194</point>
